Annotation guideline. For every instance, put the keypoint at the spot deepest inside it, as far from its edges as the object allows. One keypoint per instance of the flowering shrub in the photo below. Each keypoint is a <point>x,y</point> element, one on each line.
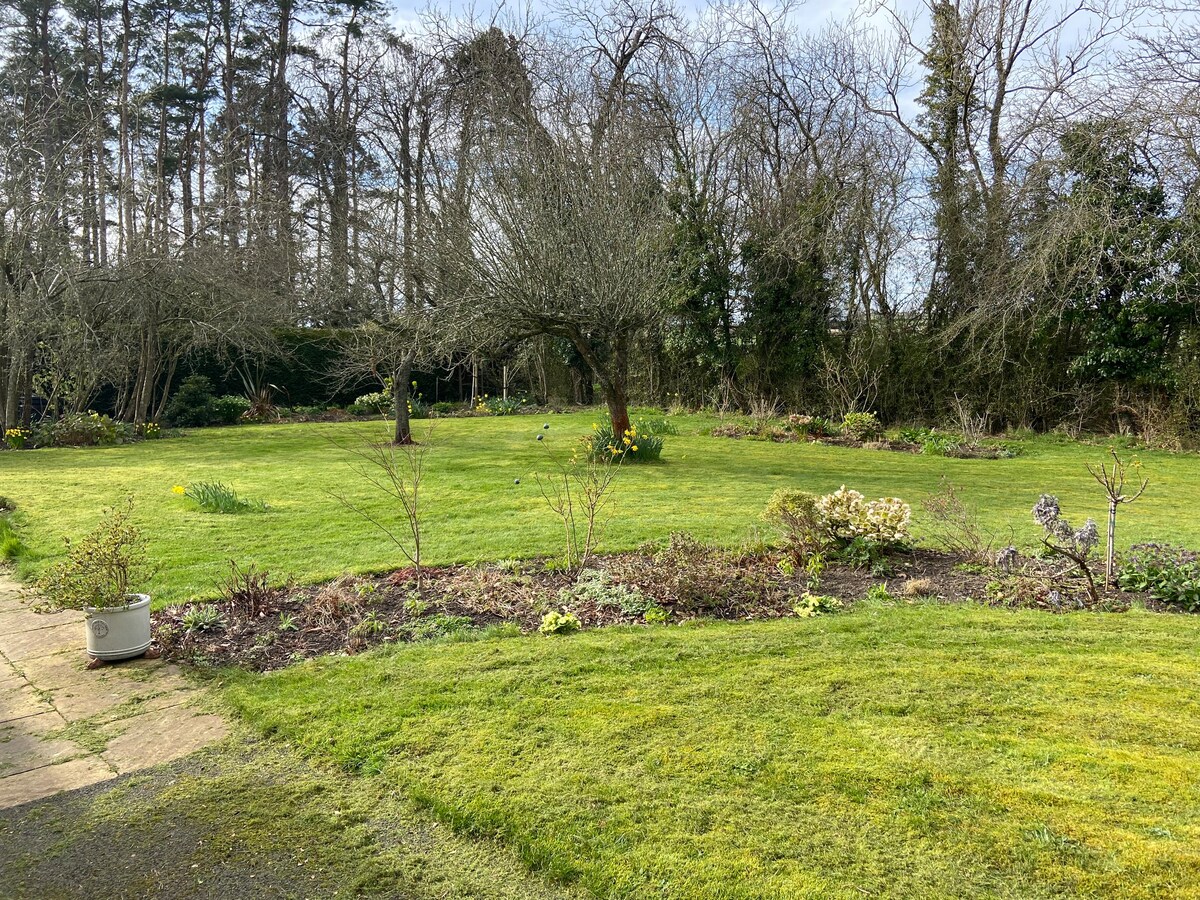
<point>862,426</point>
<point>377,403</point>
<point>1170,574</point>
<point>16,438</point>
<point>151,431</point>
<point>848,515</point>
<point>1062,540</point>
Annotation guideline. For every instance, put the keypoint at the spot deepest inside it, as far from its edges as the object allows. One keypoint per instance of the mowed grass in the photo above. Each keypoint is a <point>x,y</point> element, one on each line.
<point>906,752</point>
<point>712,487</point>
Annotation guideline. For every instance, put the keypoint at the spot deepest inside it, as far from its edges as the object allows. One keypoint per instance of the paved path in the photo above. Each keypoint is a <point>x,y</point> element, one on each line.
<point>63,727</point>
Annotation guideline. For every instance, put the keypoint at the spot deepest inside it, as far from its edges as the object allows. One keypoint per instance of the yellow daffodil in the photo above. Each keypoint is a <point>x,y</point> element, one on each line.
<point>634,448</point>
<point>179,489</point>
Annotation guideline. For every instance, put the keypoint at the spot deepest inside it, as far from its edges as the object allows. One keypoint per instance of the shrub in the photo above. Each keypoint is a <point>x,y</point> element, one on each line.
<point>443,408</point>
<point>377,403</point>
<point>217,497</point>
<point>555,622</point>
<point>438,625</point>
<point>88,429</point>
<point>1060,539</point>
<point>192,405</point>
<point>229,410</point>
<point>1169,574</point>
<point>101,568</point>
<point>883,522</point>
<point>955,525</point>
<point>797,515</point>
<point>862,426</point>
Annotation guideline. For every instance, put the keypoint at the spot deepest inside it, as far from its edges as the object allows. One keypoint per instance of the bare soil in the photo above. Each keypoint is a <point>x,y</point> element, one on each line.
<point>263,628</point>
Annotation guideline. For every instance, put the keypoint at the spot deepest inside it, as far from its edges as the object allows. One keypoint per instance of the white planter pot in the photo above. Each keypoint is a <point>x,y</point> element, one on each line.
<point>121,632</point>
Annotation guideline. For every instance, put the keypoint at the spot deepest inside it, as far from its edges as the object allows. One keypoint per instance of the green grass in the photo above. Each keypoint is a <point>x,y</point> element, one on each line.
<point>713,487</point>
<point>918,751</point>
<point>903,752</point>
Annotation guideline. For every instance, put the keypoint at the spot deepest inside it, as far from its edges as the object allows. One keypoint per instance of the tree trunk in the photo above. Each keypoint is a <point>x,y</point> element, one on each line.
<point>400,383</point>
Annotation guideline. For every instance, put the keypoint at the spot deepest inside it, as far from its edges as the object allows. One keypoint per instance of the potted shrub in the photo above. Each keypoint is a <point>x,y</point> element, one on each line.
<point>97,577</point>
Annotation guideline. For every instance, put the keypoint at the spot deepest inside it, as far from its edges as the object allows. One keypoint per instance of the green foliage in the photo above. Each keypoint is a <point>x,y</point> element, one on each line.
<point>377,403</point>
<point>229,410</point>
<point>218,497</point>
<point>555,622</point>
<point>799,519</point>
<point>438,625</point>
<point>1169,574</point>
<point>810,605</point>
<point>288,622</point>
<point>204,617</point>
<point>11,545</point>
<point>101,568</point>
<point>192,405</point>
<point>595,587</point>
<point>879,593</point>
<point>862,426</point>
<point>90,429</point>
<point>638,444</point>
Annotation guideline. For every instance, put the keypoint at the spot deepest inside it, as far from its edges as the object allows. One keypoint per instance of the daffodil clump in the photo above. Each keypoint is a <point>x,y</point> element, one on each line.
<point>636,444</point>
<point>16,438</point>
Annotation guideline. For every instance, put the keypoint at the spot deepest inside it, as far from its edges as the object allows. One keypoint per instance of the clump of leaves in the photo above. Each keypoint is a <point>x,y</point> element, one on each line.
<point>1168,573</point>
<point>555,622</point>
<point>439,625</point>
<point>596,587</point>
<point>810,605</point>
<point>202,618</point>
<point>101,568</point>
<point>218,497</point>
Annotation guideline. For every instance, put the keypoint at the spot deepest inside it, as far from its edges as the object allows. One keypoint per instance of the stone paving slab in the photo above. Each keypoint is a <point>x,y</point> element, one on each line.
<point>42,641</point>
<point>131,715</point>
<point>25,745</point>
<point>18,618</point>
<point>38,783</point>
<point>22,701</point>
<point>162,736</point>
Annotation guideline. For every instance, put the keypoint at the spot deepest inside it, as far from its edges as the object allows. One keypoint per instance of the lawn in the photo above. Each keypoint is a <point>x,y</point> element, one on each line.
<point>916,751</point>
<point>712,487</point>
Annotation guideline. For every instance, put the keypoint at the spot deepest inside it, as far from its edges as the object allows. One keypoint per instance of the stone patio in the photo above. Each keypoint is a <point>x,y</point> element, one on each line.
<point>64,727</point>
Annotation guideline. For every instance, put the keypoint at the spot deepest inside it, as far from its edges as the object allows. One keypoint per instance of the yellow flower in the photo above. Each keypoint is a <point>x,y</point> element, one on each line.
<point>179,489</point>
<point>634,448</point>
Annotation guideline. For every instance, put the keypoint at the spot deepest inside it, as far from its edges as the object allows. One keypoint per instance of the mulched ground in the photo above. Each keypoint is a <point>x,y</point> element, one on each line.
<point>263,628</point>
